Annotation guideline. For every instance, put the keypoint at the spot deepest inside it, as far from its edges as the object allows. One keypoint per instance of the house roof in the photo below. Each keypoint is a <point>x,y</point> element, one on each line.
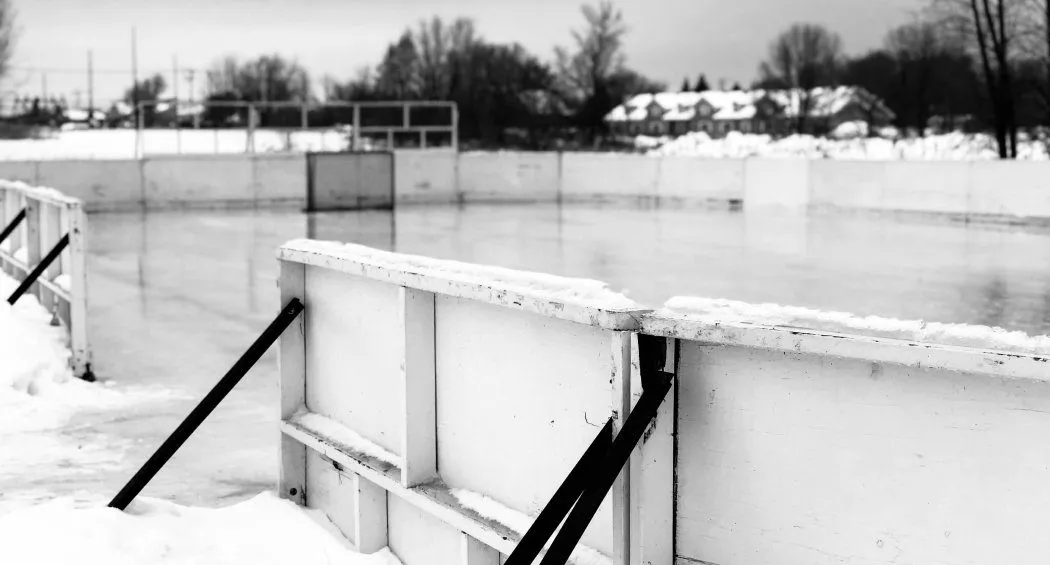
<point>741,104</point>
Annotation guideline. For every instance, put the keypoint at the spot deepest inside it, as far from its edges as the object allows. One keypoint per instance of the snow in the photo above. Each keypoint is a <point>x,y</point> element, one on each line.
<point>583,292</point>
<point>520,523</point>
<point>260,531</point>
<point>950,146</point>
<point>40,398</point>
<point>965,335</point>
<point>65,282</point>
<point>120,143</point>
<point>342,435</point>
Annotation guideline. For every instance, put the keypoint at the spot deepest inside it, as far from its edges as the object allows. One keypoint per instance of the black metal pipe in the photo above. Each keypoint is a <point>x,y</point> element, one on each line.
<point>12,225</point>
<point>206,405</point>
<point>633,429</point>
<point>561,503</point>
<point>39,269</point>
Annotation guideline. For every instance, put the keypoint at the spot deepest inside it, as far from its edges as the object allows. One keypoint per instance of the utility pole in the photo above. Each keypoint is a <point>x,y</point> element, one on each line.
<point>91,87</point>
<point>134,76</point>
<point>43,86</point>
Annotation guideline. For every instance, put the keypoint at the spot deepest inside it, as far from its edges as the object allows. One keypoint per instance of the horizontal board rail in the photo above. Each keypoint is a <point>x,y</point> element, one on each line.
<point>435,407</point>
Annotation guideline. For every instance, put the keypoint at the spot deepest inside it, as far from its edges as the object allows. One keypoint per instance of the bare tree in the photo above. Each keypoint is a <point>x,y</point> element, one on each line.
<point>399,72</point>
<point>598,54</point>
<point>802,58</point>
<point>437,44</point>
<point>993,29</point>
<point>8,36</point>
<point>916,47</point>
<point>583,74</point>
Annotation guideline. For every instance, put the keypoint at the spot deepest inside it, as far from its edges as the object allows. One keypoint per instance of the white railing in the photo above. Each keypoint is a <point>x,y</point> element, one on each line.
<point>434,407</point>
<point>62,287</point>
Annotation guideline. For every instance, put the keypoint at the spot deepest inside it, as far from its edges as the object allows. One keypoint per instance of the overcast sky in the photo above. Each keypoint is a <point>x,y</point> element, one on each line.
<point>668,38</point>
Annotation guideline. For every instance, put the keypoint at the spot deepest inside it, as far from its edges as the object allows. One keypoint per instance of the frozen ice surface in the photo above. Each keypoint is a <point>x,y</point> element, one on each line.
<point>261,531</point>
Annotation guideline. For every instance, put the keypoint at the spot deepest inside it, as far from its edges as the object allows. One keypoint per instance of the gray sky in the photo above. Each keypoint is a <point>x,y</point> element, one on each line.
<point>668,38</point>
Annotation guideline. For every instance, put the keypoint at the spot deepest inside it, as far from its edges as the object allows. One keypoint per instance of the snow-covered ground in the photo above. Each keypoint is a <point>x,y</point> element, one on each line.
<point>950,146</point>
<point>260,531</point>
<point>120,143</point>
<point>42,443</point>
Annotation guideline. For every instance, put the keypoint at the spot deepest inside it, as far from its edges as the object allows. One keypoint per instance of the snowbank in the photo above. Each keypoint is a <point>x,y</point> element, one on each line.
<point>583,292</point>
<point>966,335</point>
<point>120,143</point>
<point>261,531</point>
<point>950,146</point>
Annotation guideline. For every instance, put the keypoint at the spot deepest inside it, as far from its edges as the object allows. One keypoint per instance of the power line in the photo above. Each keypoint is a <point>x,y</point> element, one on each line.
<point>68,71</point>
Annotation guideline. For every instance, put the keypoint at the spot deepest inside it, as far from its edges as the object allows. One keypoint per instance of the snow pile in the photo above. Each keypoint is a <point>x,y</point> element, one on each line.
<point>261,531</point>
<point>582,292</point>
<point>950,146</point>
<point>121,143</point>
<point>520,523</point>
<point>965,335</point>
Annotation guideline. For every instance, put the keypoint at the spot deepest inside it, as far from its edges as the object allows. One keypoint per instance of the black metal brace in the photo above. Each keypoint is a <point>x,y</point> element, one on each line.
<point>590,480</point>
<point>10,228</point>
<point>197,416</point>
<point>39,269</point>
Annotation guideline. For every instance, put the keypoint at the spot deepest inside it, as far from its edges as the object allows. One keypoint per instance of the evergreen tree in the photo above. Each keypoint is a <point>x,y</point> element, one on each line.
<point>685,85</point>
<point>701,84</point>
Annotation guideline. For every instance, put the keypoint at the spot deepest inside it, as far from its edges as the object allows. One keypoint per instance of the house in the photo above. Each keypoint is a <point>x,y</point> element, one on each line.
<point>756,111</point>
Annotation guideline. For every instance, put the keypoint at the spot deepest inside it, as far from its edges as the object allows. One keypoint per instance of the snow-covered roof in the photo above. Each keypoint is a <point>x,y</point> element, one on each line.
<point>741,104</point>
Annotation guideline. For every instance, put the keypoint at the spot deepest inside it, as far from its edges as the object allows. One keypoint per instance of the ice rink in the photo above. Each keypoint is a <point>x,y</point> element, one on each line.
<point>176,297</point>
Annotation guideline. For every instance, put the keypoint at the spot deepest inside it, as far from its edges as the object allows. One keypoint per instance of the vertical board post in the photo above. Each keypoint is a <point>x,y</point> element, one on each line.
<point>476,553</point>
<point>292,362</point>
<point>652,481</point>
<point>78,291</point>
<point>34,210</point>
<point>419,409</point>
<point>621,408</point>
<point>370,516</point>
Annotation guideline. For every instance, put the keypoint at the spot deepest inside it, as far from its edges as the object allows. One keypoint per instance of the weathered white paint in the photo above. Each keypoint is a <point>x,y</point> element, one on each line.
<point>587,177</point>
<point>435,280</point>
<point>653,482</point>
<point>621,402</point>
<point>1009,188</point>
<point>50,215</point>
<point>177,181</point>
<point>508,176</point>
<point>693,179</point>
<point>546,381</point>
<point>425,176</point>
<point>416,346</point>
<point>279,179</point>
<point>353,354</point>
<point>924,186</point>
<point>350,181</point>
<point>798,458</point>
<point>847,184</point>
<point>103,185</point>
<point>420,539</point>
<point>291,354</point>
<point>780,183</point>
<point>370,515</point>
<point>474,552</point>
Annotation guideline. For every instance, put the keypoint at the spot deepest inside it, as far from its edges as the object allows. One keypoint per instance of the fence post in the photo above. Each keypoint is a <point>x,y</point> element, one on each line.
<point>33,235</point>
<point>291,355</point>
<point>357,128</point>
<point>455,126</point>
<point>78,293</point>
